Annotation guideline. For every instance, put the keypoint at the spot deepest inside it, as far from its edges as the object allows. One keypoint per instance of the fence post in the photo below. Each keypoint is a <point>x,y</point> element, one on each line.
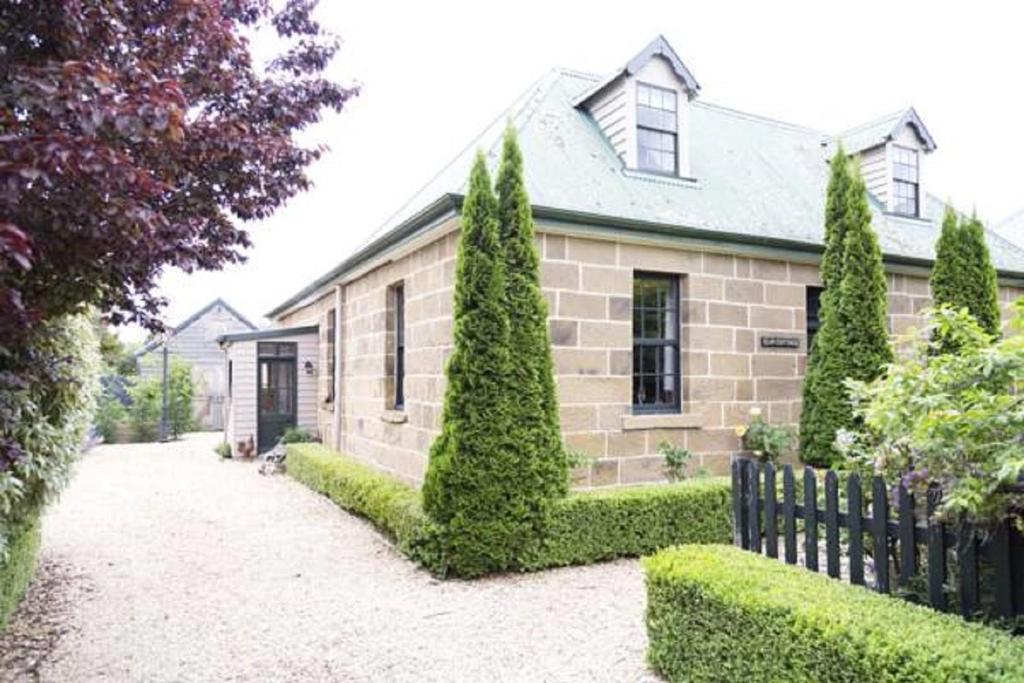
<point>966,551</point>
<point>810,519</point>
<point>754,503</point>
<point>789,513</point>
<point>832,523</point>
<point>771,529</point>
<point>739,534</point>
<point>880,530</point>
<point>908,547</point>
<point>855,509</point>
<point>936,554</point>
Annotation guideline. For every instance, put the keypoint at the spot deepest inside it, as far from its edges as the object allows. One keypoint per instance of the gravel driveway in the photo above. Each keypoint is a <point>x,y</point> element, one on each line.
<point>187,568</point>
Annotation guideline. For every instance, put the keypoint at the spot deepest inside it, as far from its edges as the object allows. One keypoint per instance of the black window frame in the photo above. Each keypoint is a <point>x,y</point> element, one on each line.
<point>398,294</point>
<point>906,182</point>
<point>647,118</point>
<point>640,341</point>
<point>812,312</point>
<point>332,333</point>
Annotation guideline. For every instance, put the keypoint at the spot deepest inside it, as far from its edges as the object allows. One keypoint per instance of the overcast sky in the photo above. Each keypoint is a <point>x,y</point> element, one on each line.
<point>434,74</point>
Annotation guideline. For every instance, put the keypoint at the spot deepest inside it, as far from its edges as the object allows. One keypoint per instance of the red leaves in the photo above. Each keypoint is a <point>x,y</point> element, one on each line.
<point>132,135</point>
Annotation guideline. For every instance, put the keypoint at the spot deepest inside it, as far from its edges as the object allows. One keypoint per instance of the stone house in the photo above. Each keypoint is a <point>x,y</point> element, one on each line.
<point>680,246</point>
<point>194,340</point>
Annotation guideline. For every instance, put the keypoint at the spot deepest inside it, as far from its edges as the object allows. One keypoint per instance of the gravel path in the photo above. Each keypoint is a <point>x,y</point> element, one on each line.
<point>202,570</point>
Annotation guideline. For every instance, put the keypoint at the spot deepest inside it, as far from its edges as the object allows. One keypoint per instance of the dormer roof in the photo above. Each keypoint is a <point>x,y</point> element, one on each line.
<point>659,47</point>
<point>884,129</point>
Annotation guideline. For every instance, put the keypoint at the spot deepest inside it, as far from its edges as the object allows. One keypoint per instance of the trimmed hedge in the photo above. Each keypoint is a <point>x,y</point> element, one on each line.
<point>392,506</point>
<point>719,613</point>
<point>583,527</point>
<point>601,525</point>
<point>17,570</point>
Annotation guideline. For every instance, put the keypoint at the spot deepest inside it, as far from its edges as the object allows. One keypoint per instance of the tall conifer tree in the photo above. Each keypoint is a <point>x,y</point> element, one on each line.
<point>542,465</point>
<point>963,275</point>
<point>824,398</point>
<point>466,491</point>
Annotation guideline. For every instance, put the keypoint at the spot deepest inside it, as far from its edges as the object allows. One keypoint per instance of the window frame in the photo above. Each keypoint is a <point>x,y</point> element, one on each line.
<point>396,293</point>
<point>817,293</point>
<point>674,132</point>
<point>903,180</point>
<point>332,333</point>
<point>674,343</point>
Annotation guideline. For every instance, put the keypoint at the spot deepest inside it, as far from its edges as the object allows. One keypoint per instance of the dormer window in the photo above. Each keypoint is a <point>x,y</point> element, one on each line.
<point>905,185</point>
<point>657,122</point>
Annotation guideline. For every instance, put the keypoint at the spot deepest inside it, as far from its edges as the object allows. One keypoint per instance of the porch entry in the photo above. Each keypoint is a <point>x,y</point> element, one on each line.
<point>277,393</point>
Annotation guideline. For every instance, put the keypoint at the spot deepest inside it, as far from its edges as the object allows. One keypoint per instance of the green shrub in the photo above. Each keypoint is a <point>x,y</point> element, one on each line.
<point>20,564</point>
<point>592,526</point>
<point>392,506</point>
<point>963,275</point>
<point>147,402</point>
<point>718,613</point>
<point>110,413</point>
<point>677,459</point>
<point>582,528</point>
<point>297,435</point>
<point>223,449</point>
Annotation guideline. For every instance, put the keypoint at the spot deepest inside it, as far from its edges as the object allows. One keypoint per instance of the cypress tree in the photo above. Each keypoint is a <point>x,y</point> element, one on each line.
<point>541,466</point>
<point>824,398</point>
<point>862,304</point>
<point>468,477</point>
<point>963,275</point>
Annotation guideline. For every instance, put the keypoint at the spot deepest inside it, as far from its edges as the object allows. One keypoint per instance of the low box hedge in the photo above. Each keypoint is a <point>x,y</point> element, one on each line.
<point>718,613</point>
<point>20,564</point>
<point>584,527</point>
<point>600,525</point>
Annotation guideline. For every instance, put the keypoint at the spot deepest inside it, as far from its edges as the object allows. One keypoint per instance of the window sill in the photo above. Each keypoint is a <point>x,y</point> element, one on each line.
<point>661,421</point>
<point>665,178</point>
<point>395,417</point>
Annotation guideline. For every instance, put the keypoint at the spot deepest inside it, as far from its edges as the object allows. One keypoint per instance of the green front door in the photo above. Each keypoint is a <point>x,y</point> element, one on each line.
<point>276,392</point>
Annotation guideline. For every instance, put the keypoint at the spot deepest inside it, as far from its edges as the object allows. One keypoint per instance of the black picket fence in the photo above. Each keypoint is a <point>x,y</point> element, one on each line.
<point>976,572</point>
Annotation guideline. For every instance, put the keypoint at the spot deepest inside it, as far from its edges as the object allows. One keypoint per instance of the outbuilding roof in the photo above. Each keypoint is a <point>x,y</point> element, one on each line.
<point>187,322</point>
<point>755,180</point>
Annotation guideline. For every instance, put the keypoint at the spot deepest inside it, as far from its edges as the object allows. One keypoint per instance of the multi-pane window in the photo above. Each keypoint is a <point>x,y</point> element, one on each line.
<point>813,309</point>
<point>656,380</point>
<point>656,120</point>
<point>331,336</point>
<point>906,184</point>
<point>396,343</point>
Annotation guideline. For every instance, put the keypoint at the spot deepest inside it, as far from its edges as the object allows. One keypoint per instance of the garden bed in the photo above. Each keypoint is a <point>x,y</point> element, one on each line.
<point>584,527</point>
<point>720,613</point>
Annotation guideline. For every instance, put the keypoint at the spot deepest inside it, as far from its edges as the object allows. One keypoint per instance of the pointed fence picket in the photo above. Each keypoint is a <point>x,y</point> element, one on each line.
<point>919,548</point>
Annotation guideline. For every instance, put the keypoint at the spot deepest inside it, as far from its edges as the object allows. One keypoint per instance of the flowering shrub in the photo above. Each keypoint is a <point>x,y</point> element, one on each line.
<point>765,440</point>
<point>955,421</point>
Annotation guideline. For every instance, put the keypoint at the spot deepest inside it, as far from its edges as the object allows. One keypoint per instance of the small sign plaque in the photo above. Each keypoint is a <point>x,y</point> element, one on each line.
<point>779,342</point>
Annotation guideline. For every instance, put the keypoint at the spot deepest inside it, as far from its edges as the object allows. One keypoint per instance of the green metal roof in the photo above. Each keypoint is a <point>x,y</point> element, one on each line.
<point>881,130</point>
<point>754,179</point>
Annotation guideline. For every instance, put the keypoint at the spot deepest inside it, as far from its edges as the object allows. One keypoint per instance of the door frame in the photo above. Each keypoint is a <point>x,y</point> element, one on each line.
<point>294,361</point>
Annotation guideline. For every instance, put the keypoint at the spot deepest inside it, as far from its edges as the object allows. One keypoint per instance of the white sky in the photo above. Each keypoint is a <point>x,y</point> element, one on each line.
<point>434,74</point>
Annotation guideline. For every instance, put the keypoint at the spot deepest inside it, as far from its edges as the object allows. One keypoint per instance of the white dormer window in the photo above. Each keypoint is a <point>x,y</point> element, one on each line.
<point>657,129</point>
<point>905,181</point>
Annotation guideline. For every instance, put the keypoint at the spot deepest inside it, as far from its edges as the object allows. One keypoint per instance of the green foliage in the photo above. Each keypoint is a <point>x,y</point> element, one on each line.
<point>118,358</point>
<point>147,402</point>
<point>954,420</point>
<point>718,613</point>
<point>836,208</point>
<point>540,463</point>
<point>593,526</point>
<point>49,416</point>
<point>676,458</point>
<point>475,488</point>
<point>392,506</point>
<point>853,341</point>
<point>223,449</point>
<point>963,275</point>
<point>110,413</point>
<point>19,564</point>
<point>582,528</point>
<point>767,441</point>
<point>297,435</point>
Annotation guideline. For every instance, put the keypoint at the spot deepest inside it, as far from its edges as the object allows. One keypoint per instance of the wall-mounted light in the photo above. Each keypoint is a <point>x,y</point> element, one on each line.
<point>308,367</point>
